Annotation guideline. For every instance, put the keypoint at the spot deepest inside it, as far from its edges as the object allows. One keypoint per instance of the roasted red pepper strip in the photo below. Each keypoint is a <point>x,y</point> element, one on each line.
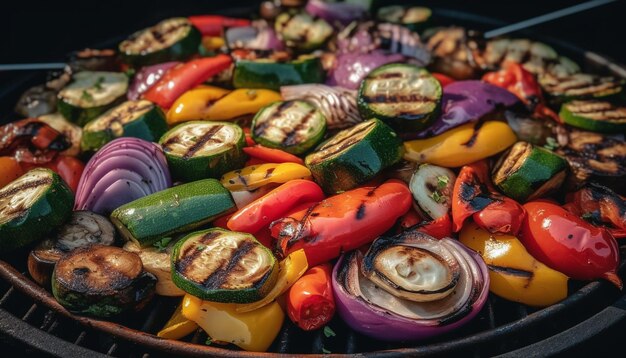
<point>438,228</point>
<point>271,155</point>
<point>342,222</point>
<point>31,141</point>
<point>310,301</point>
<point>474,195</point>
<point>523,84</point>
<point>443,79</point>
<point>69,168</point>
<point>600,205</point>
<point>185,76</point>
<point>214,25</point>
<point>274,205</point>
<point>569,244</point>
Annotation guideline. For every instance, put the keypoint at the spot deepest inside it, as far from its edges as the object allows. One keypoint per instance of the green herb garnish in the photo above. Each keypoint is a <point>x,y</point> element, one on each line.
<point>328,332</point>
<point>208,341</point>
<point>99,83</point>
<point>200,247</point>
<point>86,96</point>
<point>551,143</point>
<point>438,197</point>
<point>442,181</point>
<point>161,245</point>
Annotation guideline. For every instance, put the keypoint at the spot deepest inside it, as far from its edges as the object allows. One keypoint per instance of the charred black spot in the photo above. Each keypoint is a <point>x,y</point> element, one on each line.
<point>511,271</point>
<point>360,213</point>
<point>476,195</point>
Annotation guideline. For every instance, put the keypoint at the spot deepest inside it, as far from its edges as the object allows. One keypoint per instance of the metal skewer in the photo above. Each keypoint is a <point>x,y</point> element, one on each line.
<point>32,66</point>
<point>546,17</point>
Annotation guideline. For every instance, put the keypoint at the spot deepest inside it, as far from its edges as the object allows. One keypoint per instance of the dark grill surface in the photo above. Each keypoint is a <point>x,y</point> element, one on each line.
<point>28,314</point>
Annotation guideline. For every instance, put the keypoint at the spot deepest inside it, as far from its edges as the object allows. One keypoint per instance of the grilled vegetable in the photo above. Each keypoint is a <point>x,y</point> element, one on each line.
<point>431,187</point>
<point>174,39</point>
<point>89,59</point>
<point>257,176</point>
<point>101,281</point>
<point>581,86</point>
<point>414,17</point>
<point>594,157</point>
<point>156,260</point>
<point>147,77</point>
<point>178,209</point>
<point>31,141</point>
<point>72,132</point>
<point>601,206</point>
<point>223,266</point>
<point>354,156</point>
<point>455,53</point>
<point>461,145</point>
<point>203,149</point>
<point>253,331</point>
<point>411,261</point>
<point>404,96</point>
<point>264,73</point>
<point>302,31</point>
<point>37,101</point>
<point>515,275</point>
<point>84,228</point>
<point>178,326</point>
<point>31,206</point>
<point>10,170</point>
<point>293,126</point>
<point>139,119</point>
<point>343,12</point>
<point>596,116</point>
<point>91,94</point>
<point>527,172</point>
<point>214,25</point>
<point>350,68</point>
<point>310,301</point>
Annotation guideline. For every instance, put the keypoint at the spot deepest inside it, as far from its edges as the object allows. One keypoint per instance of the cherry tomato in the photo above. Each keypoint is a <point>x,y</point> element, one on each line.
<point>310,301</point>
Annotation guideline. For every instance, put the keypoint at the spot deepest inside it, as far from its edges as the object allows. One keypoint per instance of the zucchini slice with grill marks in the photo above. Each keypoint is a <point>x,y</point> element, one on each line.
<point>174,39</point>
<point>101,281</point>
<point>174,210</point>
<point>406,97</point>
<point>596,116</point>
<point>223,266</point>
<point>90,94</point>
<point>581,86</point>
<point>83,228</point>
<point>31,206</point>
<point>354,156</point>
<point>527,172</point>
<point>271,74</point>
<point>415,18</point>
<point>139,119</point>
<point>302,31</point>
<point>203,149</point>
<point>293,126</point>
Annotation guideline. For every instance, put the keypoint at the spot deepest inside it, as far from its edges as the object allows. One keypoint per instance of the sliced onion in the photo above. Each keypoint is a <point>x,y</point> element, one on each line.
<point>336,12</point>
<point>124,170</point>
<point>259,36</point>
<point>368,308</point>
<point>337,104</point>
<point>431,187</point>
<point>351,68</point>
<point>146,78</point>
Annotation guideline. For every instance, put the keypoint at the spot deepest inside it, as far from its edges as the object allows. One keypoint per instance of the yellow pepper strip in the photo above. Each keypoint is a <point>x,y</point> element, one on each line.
<point>256,176</point>
<point>252,331</point>
<point>514,273</point>
<point>213,43</point>
<point>193,104</point>
<point>462,145</point>
<point>290,270</point>
<point>241,102</point>
<point>178,326</point>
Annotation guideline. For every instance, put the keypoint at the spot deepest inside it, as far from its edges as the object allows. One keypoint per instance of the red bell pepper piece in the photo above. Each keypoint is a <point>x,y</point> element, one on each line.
<point>569,244</point>
<point>10,170</point>
<point>342,222</point>
<point>438,228</point>
<point>185,76</point>
<point>271,155</point>
<point>69,169</point>
<point>443,79</point>
<point>274,205</point>
<point>474,195</point>
<point>524,85</point>
<point>249,141</point>
<point>600,205</point>
<point>31,141</point>
<point>310,301</point>
<point>214,25</point>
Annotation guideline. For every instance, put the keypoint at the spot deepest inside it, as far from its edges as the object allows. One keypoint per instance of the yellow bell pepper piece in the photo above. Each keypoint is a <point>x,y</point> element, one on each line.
<point>241,102</point>
<point>252,331</point>
<point>256,176</point>
<point>290,270</point>
<point>462,145</point>
<point>213,43</point>
<point>178,326</point>
<point>514,273</point>
<point>194,104</point>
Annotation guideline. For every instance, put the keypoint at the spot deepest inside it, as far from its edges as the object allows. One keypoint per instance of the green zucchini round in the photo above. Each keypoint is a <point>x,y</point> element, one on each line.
<point>404,96</point>
<point>265,73</point>
<point>223,266</point>
<point>581,86</point>
<point>203,149</point>
<point>595,116</point>
<point>354,156</point>
<point>90,94</point>
<point>101,281</point>
<point>302,31</point>
<point>31,206</point>
<point>416,18</point>
<point>139,119</point>
<point>174,39</point>
<point>527,172</point>
<point>293,126</point>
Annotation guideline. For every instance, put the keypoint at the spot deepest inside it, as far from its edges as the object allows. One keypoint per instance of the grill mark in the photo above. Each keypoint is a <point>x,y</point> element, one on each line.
<point>475,195</point>
<point>397,99</point>
<point>206,137</point>
<point>334,144</point>
<point>472,139</point>
<point>189,257</point>
<point>129,111</point>
<point>25,186</point>
<point>511,271</point>
<point>300,224</point>
<point>172,140</point>
<point>292,138</point>
<point>360,213</point>
<point>388,75</point>
<point>268,172</point>
<point>160,36</point>
<point>218,277</point>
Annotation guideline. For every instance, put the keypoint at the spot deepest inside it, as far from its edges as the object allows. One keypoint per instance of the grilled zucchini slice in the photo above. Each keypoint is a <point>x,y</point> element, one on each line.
<point>596,116</point>
<point>271,74</point>
<point>581,86</point>
<point>416,18</point>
